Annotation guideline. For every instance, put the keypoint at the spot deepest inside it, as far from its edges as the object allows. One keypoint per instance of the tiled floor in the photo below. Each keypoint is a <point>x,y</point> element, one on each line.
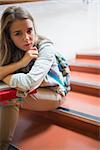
<point>71,24</point>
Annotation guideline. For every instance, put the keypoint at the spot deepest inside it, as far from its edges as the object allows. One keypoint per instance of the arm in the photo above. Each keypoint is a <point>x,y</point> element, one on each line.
<point>34,78</point>
<point>8,69</point>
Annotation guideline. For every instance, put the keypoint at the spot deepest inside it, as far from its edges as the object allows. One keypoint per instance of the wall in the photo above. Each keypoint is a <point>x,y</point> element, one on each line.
<point>72,25</point>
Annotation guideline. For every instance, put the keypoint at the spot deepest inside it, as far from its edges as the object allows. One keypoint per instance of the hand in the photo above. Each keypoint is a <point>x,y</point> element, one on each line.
<point>33,53</point>
<point>29,55</point>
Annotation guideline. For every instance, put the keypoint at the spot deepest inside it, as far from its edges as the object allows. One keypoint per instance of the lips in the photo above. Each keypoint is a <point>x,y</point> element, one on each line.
<point>28,45</point>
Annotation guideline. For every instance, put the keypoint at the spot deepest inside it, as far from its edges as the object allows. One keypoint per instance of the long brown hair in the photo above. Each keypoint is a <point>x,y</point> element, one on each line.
<point>7,47</point>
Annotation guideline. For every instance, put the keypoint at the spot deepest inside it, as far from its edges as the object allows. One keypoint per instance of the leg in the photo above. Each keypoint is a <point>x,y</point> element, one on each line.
<point>44,100</point>
<point>8,120</point>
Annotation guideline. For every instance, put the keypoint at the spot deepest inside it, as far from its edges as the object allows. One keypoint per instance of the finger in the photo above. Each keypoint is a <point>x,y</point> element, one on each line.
<point>34,55</point>
<point>34,48</point>
<point>33,52</point>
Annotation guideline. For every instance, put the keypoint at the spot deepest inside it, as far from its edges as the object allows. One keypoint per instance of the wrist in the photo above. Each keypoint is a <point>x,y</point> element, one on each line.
<point>20,64</point>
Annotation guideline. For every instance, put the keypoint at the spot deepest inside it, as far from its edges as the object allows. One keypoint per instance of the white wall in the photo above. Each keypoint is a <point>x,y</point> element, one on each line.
<point>71,24</point>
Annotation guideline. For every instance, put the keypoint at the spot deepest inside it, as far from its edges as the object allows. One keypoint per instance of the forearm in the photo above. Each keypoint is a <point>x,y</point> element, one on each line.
<point>23,62</point>
<point>7,81</point>
<point>31,80</point>
<point>8,69</point>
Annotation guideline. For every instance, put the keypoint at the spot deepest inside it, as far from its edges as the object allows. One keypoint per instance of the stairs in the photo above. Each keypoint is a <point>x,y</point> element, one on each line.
<point>81,110</point>
<point>85,82</point>
<point>85,71</point>
<point>85,65</point>
<point>35,132</point>
<point>3,2</point>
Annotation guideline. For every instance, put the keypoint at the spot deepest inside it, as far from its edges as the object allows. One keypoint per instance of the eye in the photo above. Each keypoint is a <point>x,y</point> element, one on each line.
<point>29,31</point>
<point>18,33</point>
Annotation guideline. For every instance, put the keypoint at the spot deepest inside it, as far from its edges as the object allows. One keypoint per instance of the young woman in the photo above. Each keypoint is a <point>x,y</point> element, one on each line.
<point>25,60</point>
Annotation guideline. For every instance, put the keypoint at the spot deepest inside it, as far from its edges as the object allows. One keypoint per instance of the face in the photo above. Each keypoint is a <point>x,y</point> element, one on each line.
<point>23,34</point>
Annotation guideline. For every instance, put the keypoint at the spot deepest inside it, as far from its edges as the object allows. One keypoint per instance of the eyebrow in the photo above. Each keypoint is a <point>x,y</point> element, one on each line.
<point>20,30</point>
<point>16,31</point>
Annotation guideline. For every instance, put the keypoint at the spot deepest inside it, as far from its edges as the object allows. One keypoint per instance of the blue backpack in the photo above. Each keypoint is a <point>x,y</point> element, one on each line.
<point>64,69</point>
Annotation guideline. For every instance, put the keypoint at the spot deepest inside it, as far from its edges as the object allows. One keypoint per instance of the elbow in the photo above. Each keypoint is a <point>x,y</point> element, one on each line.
<point>20,81</point>
<point>32,83</point>
<point>25,85</point>
<point>28,84</point>
<point>25,82</point>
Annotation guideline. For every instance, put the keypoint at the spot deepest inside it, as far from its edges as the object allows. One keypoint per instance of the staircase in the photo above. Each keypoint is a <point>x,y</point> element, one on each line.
<point>81,110</point>
<point>3,2</point>
<point>80,113</point>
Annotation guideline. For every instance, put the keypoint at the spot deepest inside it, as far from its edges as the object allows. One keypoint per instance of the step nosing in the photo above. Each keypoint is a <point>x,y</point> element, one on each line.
<point>93,119</point>
<point>83,54</point>
<point>84,65</point>
<point>85,83</point>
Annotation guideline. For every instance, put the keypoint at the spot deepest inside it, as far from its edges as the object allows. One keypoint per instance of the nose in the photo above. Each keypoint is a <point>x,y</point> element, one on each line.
<point>26,37</point>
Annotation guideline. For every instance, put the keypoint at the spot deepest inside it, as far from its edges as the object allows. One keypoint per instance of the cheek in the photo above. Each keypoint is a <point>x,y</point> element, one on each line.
<point>16,41</point>
<point>34,38</point>
<point>31,37</point>
<point>13,39</point>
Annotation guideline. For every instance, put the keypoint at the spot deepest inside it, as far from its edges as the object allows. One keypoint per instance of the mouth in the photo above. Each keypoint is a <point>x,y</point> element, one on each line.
<point>28,45</point>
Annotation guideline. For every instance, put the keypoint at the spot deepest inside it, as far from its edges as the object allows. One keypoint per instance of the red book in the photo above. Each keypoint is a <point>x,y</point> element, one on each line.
<point>6,93</point>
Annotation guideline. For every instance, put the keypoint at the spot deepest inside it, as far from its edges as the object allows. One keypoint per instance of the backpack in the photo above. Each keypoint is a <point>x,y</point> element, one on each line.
<point>65,71</point>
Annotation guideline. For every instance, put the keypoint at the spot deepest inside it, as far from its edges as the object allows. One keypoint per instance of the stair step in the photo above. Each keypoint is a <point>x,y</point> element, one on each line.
<point>92,56</point>
<point>80,112</point>
<point>3,2</point>
<point>83,103</point>
<point>85,82</point>
<point>85,65</point>
<point>37,133</point>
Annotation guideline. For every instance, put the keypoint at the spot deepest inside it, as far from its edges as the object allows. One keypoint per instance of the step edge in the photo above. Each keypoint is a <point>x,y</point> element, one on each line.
<point>88,54</point>
<point>88,65</point>
<point>85,83</point>
<point>15,2</point>
<point>79,115</point>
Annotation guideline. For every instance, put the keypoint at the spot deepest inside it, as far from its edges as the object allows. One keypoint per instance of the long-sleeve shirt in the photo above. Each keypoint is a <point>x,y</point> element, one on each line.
<point>39,71</point>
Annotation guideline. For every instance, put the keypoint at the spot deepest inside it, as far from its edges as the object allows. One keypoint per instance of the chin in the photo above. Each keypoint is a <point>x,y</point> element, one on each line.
<point>25,49</point>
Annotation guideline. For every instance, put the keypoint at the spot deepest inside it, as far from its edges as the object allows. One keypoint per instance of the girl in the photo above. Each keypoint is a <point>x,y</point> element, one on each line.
<point>25,60</point>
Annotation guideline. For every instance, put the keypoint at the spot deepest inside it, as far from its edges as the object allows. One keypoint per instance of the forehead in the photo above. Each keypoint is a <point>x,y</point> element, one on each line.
<point>21,24</point>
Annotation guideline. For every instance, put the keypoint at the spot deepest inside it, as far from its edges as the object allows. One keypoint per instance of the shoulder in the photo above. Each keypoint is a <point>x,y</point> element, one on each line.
<point>45,45</point>
<point>43,41</point>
